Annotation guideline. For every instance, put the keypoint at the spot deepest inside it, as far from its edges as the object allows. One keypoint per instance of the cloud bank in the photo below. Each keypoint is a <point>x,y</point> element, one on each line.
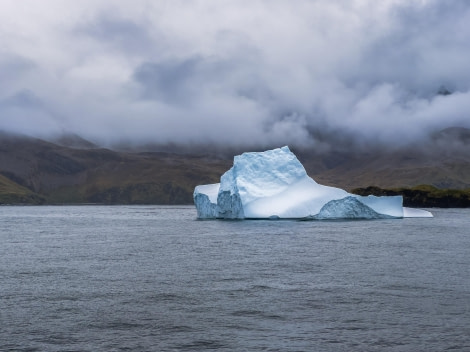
<point>239,72</point>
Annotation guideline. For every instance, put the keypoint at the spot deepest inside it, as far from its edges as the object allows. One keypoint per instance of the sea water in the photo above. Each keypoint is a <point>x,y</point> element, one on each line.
<point>153,278</point>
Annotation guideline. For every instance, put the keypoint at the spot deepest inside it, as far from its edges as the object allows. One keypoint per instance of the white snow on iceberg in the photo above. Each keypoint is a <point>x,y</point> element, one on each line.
<point>274,184</point>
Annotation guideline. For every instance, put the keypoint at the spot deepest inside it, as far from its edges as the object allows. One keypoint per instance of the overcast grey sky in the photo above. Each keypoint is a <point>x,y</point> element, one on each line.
<point>233,71</point>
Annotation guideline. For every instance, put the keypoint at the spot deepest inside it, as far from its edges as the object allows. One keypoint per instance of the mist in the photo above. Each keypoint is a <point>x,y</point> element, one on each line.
<point>234,73</point>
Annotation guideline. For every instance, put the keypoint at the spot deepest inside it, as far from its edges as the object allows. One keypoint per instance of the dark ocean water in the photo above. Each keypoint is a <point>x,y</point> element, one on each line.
<point>136,278</point>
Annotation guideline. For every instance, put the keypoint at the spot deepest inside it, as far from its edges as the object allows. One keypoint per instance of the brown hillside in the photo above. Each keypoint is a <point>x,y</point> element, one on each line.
<point>36,171</point>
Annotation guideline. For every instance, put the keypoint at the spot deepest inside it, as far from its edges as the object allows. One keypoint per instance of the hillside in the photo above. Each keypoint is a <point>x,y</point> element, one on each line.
<point>35,171</point>
<point>442,161</point>
<point>62,175</point>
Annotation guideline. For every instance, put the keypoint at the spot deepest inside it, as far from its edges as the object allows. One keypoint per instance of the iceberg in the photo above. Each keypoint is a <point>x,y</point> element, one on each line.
<point>274,185</point>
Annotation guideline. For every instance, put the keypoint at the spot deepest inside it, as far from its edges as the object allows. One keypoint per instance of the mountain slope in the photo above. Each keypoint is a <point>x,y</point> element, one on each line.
<point>442,161</point>
<point>67,175</point>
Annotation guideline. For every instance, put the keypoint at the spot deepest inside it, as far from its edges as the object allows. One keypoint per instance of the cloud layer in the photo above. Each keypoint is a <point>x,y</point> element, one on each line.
<point>239,72</point>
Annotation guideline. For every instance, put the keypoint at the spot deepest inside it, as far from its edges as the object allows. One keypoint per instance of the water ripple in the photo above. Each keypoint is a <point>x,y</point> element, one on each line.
<point>153,279</point>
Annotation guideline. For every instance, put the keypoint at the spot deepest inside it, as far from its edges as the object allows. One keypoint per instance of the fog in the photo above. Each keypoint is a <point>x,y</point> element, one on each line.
<point>234,73</point>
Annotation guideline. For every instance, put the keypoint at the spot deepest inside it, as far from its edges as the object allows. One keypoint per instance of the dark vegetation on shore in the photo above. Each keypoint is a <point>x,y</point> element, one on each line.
<point>423,196</point>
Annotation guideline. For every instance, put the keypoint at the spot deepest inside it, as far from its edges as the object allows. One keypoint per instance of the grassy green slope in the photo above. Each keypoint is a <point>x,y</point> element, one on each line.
<point>12,193</point>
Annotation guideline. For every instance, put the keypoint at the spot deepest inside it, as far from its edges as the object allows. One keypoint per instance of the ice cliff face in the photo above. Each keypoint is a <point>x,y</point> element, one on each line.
<point>274,184</point>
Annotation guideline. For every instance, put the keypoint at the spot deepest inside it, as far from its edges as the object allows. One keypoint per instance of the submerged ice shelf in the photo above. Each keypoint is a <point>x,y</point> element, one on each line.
<point>274,185</point>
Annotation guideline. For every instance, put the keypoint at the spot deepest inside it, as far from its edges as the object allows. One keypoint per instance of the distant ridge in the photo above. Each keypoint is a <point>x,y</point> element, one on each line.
<point>72,140</point>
